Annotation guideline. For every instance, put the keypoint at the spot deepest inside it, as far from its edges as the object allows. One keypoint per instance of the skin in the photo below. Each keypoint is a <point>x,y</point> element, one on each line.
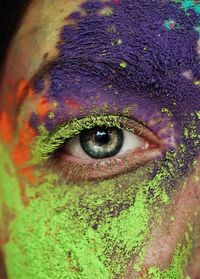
<point>141,223</point>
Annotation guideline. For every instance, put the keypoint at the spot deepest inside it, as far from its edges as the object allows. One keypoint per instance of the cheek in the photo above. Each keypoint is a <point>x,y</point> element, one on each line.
<point>54,228</point>
<point>64,229</point>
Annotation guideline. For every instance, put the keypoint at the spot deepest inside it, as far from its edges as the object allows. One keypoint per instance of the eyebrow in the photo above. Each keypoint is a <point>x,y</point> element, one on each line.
<point>43,70</point>
<point>90,66</point>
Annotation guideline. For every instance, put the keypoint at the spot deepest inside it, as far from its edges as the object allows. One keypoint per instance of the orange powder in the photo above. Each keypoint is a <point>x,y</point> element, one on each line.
<point>30,93</point>
<point>20,94</point>
<point>28,173</point>
<point>21,152</point>
<point>6,127</point>
<point>10,98</point>
<point>43,106</point>
<point>73,105</point>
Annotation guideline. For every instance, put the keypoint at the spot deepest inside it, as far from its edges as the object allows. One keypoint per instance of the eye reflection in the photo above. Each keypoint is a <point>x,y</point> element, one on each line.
<point>103,142</point>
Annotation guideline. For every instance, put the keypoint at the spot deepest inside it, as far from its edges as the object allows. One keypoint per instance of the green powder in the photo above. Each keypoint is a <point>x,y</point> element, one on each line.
<point>47,143</point>
<point>89,229</point>
<point>123,64</point>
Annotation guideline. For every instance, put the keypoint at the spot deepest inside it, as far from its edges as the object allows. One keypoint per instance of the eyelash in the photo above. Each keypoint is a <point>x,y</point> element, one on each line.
<point>49,148</point>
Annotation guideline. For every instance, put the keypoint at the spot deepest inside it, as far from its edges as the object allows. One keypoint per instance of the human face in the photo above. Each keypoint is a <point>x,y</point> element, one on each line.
<point>125,69</point>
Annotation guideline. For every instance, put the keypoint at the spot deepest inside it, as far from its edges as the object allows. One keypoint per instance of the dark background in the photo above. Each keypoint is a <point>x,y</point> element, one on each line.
<point>11,13</point>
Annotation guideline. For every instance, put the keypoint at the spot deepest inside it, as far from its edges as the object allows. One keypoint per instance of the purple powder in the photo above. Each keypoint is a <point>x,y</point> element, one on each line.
<point>75,15</point>
<point>92,6</point>
<point>148,62</point>
<point>45,55</point>
<point>155,56</point>
<point>34,120</point>
<point>38,84</point>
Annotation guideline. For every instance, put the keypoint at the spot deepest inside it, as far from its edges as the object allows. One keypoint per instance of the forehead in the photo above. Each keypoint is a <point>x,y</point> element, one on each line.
<point>37,35</point>
<point>41,27</point>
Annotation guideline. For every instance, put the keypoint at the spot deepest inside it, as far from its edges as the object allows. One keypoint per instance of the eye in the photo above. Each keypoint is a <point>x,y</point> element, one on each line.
<point>97,147</point>
<point>103,142</point>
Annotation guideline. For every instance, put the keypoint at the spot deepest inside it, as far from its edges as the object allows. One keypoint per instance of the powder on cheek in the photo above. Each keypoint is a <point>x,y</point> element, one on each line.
<point>79,237</point>
<point>87,230</point>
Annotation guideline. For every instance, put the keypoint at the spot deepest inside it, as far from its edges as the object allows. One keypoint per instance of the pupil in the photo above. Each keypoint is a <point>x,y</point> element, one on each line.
<point>102,137</point>
<point>101,142</point>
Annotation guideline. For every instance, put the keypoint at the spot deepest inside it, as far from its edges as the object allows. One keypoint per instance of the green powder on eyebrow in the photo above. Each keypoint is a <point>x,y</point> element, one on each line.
<point>198,114</point>
<point>46,143</point>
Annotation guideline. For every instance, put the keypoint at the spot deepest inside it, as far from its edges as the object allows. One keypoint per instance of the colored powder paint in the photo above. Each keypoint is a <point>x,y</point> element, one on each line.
<point>6,127</point>
<point>30,93</point>
<point>87,230</point>
<point>73,105</point>
<point>21,92</point>
<point>123,64</point>
<point>51,115</point>
<point>91,249</point>
<point>154,71</point>
<point>39,83</point>
<point>43,106</point>
<point>34,120</point>
<point>45,56</point>
<point>22,151</point>
<point>77,237</point>
<point>28,173</point>
<point>92,6</point>
<point>169,24</point>
<point>147,67</point>
<point>74,15</point>
<point>189,5</point>
<point>10,98</point>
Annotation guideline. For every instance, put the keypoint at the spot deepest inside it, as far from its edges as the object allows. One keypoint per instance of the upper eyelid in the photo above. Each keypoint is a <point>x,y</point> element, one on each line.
<point>48,143</point>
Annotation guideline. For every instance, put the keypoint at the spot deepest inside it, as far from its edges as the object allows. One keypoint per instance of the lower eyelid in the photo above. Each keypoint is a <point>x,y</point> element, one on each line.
<point>76,169</point>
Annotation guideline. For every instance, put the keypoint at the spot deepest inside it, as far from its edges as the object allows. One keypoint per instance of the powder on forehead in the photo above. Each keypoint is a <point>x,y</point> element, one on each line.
<point>134,47</point>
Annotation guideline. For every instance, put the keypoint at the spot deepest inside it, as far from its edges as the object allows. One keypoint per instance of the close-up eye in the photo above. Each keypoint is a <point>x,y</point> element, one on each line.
<point>100,147</point>
<point>103,142</point>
